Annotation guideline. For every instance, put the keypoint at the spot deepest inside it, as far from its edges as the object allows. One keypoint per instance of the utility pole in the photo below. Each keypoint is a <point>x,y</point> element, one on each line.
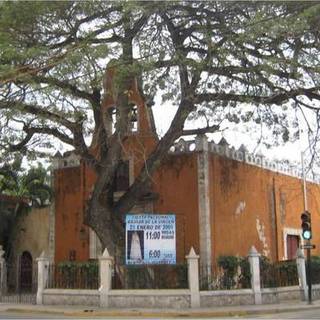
<point>306,233</point>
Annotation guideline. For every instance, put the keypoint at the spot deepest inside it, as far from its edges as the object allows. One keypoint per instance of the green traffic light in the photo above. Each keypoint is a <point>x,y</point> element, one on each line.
<point>306,234</point>
<point>306,225</point>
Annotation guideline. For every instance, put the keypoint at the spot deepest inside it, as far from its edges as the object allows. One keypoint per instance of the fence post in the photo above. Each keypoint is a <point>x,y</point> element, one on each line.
<point>255,274</point>
<point>43,264</point>
<point>193,278</point>
<point>106,265</point>
<point>3,272</point>
<point>301,267</point>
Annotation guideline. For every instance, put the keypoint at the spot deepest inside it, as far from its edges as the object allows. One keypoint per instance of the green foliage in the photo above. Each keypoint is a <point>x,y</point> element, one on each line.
<point>70,266</point>
<point>32,185</point>
<point>74,275</point>
<point>258,51</point>
<point>229,264</point>
<point>245,277</point>
<point>10,211</point>
<point>233,273</point>
<point>154,277</point>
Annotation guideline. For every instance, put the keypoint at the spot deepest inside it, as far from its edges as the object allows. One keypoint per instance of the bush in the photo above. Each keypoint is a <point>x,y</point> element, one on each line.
<point>74,275</point>
<point>231,265</point>
<point>278,274</point>
<point>245,277</point>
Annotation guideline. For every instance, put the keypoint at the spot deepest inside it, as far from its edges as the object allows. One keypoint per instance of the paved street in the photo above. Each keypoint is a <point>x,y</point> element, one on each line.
<point>284,310</point>
<point>305,314</point>
<point>11,315</point>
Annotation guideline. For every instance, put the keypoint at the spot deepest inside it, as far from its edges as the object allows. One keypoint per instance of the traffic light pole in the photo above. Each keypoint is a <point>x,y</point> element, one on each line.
<point>308,269</point>
<point>305,204</point>
<point>305,199</point>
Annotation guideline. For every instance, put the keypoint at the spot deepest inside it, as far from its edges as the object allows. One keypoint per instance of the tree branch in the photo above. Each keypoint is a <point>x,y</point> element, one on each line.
<point>37,111</point>
<point>210,129</point>
<point>276,98</point>
<point>66,86</point>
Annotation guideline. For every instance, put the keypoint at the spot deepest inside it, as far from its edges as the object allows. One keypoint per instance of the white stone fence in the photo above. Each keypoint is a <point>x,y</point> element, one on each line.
<point>191,297</point>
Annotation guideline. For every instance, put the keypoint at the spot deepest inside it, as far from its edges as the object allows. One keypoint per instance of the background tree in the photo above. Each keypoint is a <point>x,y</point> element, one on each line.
<point>33,185</point>
<point>221,61</point>
<point>19,191</point>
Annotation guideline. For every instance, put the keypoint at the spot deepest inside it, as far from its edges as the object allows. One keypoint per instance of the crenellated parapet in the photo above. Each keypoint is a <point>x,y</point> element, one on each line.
<point>223,149</point>
<point>67,160</point>
<point>201,143</point>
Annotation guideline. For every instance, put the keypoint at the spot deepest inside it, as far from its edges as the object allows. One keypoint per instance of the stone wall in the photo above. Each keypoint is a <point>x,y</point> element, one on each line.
<point>177,299</point>
<point>71,297</point>
<point>226,297</point>
<point>276,295</point>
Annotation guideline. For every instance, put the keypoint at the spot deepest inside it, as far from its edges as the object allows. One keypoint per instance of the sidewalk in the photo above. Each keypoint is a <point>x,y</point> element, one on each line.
<point>221,311</point>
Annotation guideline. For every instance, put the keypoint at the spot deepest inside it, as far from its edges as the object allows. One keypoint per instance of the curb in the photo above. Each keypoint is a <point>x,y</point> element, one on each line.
<point>33,311</point>
<point>163,314</point>
<point>186,314</point>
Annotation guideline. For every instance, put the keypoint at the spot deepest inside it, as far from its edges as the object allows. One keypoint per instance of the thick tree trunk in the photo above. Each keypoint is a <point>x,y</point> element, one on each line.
<point>109,230</point>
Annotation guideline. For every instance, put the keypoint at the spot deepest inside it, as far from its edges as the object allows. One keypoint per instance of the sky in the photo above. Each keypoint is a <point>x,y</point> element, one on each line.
<point>164,113</point>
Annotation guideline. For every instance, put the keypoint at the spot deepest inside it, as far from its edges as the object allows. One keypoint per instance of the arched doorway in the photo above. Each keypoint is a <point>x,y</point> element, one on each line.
<point>26,271</point>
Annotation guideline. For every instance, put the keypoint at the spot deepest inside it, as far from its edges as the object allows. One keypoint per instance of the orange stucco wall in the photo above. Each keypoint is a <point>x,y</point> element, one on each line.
<point>252,206</point>
<point>72,189</point>
<point>176,184</point>
<point>69,204</point>
<point>249,206</point>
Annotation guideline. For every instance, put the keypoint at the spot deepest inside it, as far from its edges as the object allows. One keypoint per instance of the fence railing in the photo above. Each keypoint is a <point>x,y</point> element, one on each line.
<point>73,275</point>
<point>20,279</point>
<point>19,283</point>
<point>315,270</point>
<point>150,277</point>
<point>229,272</point>
<point>278,274</point>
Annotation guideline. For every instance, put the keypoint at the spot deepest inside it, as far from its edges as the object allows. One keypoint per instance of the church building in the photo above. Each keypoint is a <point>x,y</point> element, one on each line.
<point>224,200</point>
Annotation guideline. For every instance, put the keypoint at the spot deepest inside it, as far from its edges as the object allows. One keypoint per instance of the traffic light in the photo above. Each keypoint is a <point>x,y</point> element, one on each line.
<point>306,225</point>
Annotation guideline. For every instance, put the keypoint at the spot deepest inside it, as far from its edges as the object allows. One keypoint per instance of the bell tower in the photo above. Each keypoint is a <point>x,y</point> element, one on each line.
<point>140,117</point>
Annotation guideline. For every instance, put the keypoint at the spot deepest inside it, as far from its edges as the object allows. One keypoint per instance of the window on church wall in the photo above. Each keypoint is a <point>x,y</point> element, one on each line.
<point>133,118</point>
<point>121,181</point>
<point>292,246</point>
<point>113,116</point>
<point>72,255</point>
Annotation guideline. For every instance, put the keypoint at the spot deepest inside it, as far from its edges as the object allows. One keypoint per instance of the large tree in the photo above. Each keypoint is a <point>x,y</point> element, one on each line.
<point>219,60</point>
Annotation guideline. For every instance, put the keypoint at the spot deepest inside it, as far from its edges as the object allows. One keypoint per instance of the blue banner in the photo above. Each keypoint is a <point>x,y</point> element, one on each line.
<point>150,239</point>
